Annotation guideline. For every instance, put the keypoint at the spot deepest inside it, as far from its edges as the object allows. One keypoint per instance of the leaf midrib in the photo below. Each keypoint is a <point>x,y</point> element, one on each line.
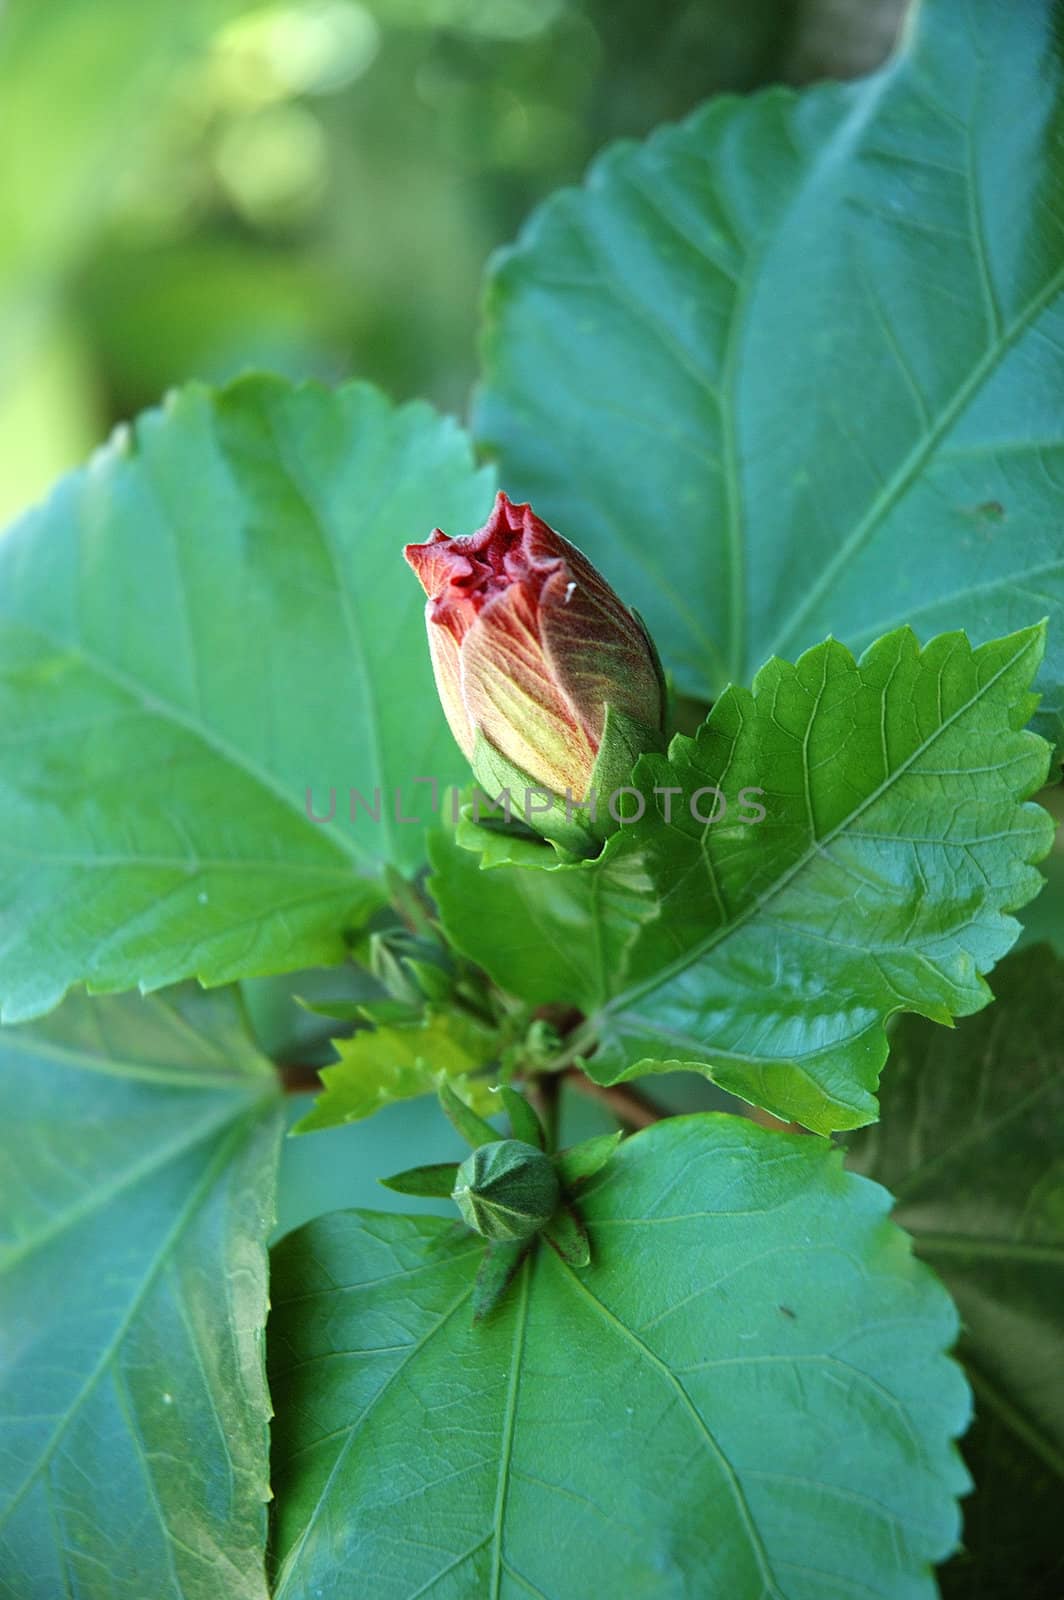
<point>176,1077</point>
<point>628,998</point>
<point>288,1570</point>
<point>352,629</point>
<point>507,1440</point>
<point>101,1195</point>
<point>189,865</point>
<point>217,1164</point>
<point>770,1590</point>
<point>874,630</point>
<point>911,466</point>
<point>151,705</point>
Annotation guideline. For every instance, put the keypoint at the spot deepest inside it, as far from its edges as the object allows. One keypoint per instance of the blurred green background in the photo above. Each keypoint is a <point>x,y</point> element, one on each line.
<point>189,188</point>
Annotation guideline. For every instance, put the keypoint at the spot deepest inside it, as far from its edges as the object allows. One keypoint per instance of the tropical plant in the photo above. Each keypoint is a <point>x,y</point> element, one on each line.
<point>781,384</point>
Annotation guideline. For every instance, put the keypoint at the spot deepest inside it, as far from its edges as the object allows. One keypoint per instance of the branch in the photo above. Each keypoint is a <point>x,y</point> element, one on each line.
<point>297,1077</point>
<point>627,1105</point>
<point>765,1119</point>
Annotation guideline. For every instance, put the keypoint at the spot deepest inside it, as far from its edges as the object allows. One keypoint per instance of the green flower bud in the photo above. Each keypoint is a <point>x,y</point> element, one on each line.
<point>506,1190</point>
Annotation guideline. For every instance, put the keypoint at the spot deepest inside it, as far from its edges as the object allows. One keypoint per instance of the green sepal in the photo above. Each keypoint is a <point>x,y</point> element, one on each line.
<point>500,846</point>
<point>568,826</point>
<point>474,1130</point>
<point>387,1013</point>
<point>391,1013</point>
<point>524,1121</point>
<point>435,1182</point>
<point>624,740</point>
<point>501,1261</point>
<point>336,1010</point>
<point>582,1161</point>
<point>494,773</point>
<point>566,1234</point>
<point>664,686</point>
<point>388,965</point>
<point>434,983</point>
<point>383,1013</point>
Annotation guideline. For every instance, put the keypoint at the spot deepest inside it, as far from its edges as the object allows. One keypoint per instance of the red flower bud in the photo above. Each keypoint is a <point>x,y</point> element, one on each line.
<point>530,645</point>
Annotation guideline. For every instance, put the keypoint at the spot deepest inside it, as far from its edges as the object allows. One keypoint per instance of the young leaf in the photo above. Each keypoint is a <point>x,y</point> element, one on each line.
<point>192,636</point>
<point>502,1258</point>
<point>396,1061</point>
<point>138,1144</point>
<point>524,1121</point>
<point>744,1394</point>
<point>566,1233</point>
<point>360,1010</point>
<point>436,1182</point>
<point>582,1161</point>
<point>472,1127</point>
<point>770,954</point>
<point>287,1014</point>
<point>970,1144</point>
<point>793,367</point>
<point>546,932</point>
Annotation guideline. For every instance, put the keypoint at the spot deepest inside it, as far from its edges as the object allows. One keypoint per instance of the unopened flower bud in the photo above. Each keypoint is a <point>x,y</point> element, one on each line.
<point>537,660</point>
<point>507,1190</point>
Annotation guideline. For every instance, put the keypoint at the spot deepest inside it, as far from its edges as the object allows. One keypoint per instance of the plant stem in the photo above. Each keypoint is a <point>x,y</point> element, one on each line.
<point>297,1077</point>
<point>407,902</point>
<point>546,1090</point>
<point>626,1104</point>
<point>765,1119</point>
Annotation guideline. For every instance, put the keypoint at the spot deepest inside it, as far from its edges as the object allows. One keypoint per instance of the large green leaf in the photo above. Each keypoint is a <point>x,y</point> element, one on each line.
<point>138,1143</point>
<point>970,1143</point>
<point>770,954</point>
<point>793,367</point>
<point>745,1395</point>
<point>209,621</point>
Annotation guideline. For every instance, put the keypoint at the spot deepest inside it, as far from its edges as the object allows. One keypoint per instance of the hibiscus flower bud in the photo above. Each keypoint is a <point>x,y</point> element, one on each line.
<point>507,1190</point>
<point>547,678</point>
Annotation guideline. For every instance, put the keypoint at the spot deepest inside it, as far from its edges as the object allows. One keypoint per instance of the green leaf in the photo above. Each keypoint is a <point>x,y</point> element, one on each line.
<point>970,1144</point>
<point>138,1144</point>
<point>545,932</point>
<point>290,1016</point>
<point>345,1010</point>
<point>501,1260</point>
<point>792,367</point>
<point>566,1233</point>
<point>434,1182</point>
<point>743,1395</point>
<point>769,955</point>
<point>524,1120</point>
<point>463,1119</point>
<point>193,634</point>
<point>582,1161</point>
<point>401,1060</point>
